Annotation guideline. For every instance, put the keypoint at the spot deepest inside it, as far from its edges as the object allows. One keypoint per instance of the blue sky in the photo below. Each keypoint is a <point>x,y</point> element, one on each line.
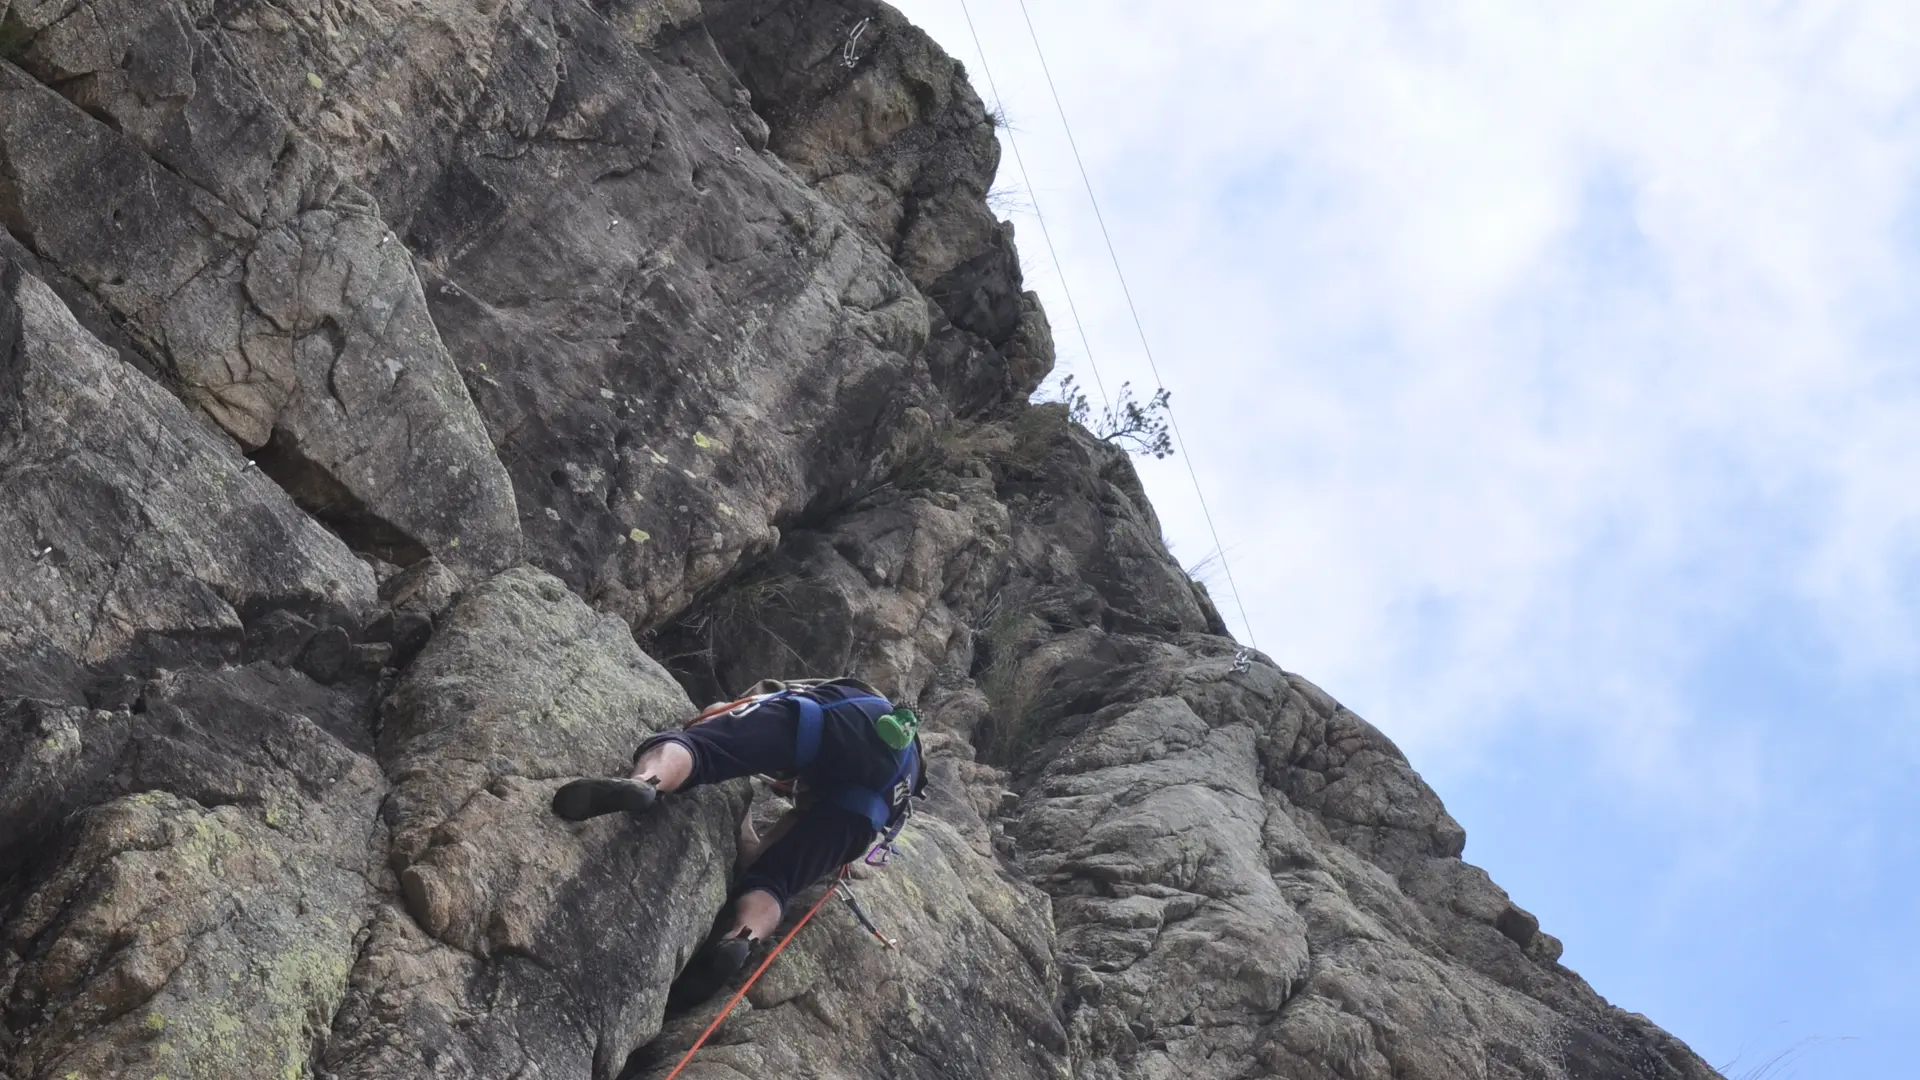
<point>1551,373</point>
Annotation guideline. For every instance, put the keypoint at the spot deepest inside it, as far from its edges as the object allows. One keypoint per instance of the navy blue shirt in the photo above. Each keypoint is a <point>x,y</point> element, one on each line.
<point>763,740</point>
<point>852,753</point>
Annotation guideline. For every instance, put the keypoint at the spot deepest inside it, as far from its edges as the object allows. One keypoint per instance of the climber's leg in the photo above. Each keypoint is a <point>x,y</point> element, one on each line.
<point>666,764</point>
<point>723,748</point>
<point>756,914</point>
<point>806,848</point>
<point>759,740</point>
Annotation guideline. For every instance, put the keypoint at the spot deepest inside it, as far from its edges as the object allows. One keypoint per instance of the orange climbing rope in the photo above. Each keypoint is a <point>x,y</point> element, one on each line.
<point>716,710</point>
<point>764,964</point>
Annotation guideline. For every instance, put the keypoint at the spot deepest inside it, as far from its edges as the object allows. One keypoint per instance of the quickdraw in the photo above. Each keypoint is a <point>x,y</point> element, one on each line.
<point>883,852</point>
<point>859,913</point>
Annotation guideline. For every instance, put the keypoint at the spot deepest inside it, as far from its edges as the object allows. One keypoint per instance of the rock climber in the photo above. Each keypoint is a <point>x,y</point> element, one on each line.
<point>850,758</point>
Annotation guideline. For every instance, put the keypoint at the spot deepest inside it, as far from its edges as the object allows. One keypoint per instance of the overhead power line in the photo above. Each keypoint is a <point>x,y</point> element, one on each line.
<point>1053,252</point>
<point>1226,564</point>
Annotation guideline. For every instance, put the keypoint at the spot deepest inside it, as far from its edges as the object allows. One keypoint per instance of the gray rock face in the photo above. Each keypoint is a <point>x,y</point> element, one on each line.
<point>884,124</point>
<point>406,406</point>
<point>290,316</point>
<point>126,527</point>
<point>678,349</point>
<point>203,923</point>
<point>515,942</point>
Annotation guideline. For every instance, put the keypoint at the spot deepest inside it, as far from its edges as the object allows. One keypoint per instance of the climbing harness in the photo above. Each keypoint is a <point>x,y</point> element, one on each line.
<point>886,807</point>
<point>755,977</point>
<point>883,852</point>
<point>850,52</point>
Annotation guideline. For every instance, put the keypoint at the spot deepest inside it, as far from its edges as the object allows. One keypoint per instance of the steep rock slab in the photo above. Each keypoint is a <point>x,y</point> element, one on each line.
<point>300,329</point>
<point>1086,554</point>
<point>988,539</point>
<point>869,109</point>
<point>215,737</point>
<point>518,942</point>
<point>526,124</point>
<point>161,73</point>
<point>1147,831</point>
<point>521,679</point>
<point>1088,548</point>
<point>128,531</point>
<point>47,753</point>
<point>873,593</point>
<point>1210,926</point>
<point>203,923</point>
<point>866,106</point>
<point>393,451</point>
<point>679,349</point>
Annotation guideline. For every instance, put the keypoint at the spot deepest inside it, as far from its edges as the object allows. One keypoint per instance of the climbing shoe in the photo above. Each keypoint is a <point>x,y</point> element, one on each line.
<point>593,796</point>
<point>710,971</point>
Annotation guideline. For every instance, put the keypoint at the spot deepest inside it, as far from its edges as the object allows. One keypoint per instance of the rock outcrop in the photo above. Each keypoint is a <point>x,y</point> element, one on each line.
<point>408,405</point>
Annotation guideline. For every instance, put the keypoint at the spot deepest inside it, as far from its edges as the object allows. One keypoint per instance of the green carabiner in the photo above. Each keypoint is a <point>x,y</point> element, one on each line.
<point>897,728</point>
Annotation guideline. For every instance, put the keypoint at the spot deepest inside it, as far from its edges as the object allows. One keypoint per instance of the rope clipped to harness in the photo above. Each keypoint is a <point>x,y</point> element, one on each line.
<point>755,977</point>
<point>726,707</point>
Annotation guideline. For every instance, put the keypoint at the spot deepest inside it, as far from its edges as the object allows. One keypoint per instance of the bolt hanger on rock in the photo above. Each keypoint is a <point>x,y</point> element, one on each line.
<point>850,52</point>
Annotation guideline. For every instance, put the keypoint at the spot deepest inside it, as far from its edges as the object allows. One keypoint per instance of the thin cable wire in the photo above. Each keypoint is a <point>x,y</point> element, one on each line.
<point>1128,293</point>
<point>1059,272</point>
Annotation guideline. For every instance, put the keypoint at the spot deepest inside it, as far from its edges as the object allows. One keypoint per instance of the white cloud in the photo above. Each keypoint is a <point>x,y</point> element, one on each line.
<point>1551,373</point>
<point>1524,350</point>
